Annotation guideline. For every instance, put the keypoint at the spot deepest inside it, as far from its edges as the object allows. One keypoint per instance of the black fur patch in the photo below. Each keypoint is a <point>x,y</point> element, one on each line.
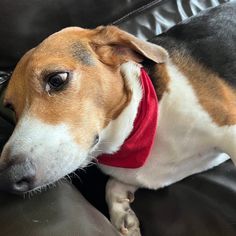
<point>79,52</point>
<point>210,38</point>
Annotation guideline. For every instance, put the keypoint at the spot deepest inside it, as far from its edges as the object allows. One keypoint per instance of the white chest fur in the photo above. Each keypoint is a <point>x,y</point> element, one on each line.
<point>187,140</point>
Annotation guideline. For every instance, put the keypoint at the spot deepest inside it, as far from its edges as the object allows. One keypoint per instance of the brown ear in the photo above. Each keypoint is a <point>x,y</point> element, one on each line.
<point>115,46</point>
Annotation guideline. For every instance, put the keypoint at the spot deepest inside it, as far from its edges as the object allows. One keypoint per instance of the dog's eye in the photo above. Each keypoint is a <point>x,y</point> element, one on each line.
<point>56,81</point>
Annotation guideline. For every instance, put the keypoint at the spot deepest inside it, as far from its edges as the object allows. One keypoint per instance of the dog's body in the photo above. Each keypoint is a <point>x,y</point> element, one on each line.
<point>196,89</point>
<point>195,126</point>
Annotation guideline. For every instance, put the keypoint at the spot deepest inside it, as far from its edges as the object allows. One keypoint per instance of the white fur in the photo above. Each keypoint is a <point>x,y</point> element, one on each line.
<point>50,147</point>
<point>187,140</point>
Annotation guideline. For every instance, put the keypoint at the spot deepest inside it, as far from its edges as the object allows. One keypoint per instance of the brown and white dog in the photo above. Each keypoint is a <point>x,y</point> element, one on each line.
<point>76,96</point>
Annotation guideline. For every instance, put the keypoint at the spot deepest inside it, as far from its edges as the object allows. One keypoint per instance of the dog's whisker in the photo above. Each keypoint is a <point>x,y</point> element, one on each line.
<point>68,178</point>
<point>41,189</point>
<point>74,175</point>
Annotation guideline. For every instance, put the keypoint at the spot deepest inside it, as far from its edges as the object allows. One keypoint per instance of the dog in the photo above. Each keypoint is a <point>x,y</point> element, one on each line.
<point>150,113</point>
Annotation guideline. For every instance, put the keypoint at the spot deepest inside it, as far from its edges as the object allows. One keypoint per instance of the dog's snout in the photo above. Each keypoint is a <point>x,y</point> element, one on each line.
<point>18,177</point>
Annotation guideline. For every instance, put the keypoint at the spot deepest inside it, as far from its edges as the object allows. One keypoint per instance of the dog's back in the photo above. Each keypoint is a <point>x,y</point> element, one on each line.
<point>209,38</point>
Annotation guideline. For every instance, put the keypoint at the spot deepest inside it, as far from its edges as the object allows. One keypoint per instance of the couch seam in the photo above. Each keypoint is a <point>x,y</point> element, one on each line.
<point>138,10</point>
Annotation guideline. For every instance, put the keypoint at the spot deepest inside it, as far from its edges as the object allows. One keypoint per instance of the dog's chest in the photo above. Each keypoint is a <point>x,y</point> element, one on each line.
<point>186,140</point>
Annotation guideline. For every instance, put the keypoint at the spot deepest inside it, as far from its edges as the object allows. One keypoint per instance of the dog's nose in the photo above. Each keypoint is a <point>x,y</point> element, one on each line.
<point>18,178</point>
<point>25,182</point>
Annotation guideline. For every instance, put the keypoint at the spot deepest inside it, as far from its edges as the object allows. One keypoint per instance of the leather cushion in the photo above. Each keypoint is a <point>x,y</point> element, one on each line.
<point>23,24</point>
<point>60,211</point>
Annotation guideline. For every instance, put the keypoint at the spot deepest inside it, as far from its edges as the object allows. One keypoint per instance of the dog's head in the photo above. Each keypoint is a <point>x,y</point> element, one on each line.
<point>64,93</point>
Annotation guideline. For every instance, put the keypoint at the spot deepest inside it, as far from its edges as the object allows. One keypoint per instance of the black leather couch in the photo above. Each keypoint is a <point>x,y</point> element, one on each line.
<point>200,205</point>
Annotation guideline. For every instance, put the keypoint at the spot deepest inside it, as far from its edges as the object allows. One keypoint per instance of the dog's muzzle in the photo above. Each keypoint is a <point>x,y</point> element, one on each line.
<point>38,154</point>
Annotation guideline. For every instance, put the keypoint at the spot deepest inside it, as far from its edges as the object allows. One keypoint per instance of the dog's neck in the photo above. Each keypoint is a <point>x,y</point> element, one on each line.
<point>110,139</point>
<point>136,124</point>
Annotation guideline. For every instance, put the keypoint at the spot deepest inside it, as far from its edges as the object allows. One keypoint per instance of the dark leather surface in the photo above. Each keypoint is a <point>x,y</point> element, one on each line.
<point>162,15</point>
<point>203,204</point>
<point>60,211</point>
<point>23,24</point>
<point>200,205</point>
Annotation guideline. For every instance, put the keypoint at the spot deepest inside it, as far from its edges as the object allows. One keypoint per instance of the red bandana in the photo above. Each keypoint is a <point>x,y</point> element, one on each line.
<point>135,150</point>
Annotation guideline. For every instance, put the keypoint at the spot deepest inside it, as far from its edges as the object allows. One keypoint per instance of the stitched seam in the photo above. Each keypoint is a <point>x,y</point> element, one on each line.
<point>138,10</point>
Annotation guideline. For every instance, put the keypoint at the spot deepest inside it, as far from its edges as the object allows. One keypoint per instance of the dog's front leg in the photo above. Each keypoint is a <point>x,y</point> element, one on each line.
<point>118,197</point>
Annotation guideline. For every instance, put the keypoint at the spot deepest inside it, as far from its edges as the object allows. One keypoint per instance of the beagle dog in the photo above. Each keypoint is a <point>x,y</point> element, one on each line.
<point>150,113</point>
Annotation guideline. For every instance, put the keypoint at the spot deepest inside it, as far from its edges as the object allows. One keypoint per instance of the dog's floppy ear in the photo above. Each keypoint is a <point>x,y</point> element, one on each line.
<point>115,46</point>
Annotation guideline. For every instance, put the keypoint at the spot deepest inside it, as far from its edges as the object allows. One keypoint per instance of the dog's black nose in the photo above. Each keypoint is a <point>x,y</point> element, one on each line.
<point>24,184</point>
<point>18,178</point>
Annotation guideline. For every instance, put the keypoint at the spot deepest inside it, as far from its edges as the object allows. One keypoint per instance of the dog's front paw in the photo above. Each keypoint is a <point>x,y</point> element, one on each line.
<point>119,196</point>
<point>125,220</point>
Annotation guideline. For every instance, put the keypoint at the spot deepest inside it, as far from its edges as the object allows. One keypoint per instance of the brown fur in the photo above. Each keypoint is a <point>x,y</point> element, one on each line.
<point>127,45</point>
<point>160,78</point>
<point>97,92</point>
<point>215,96</point>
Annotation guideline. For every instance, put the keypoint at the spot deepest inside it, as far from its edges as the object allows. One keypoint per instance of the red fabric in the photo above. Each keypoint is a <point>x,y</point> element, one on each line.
<point>136,148</point>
